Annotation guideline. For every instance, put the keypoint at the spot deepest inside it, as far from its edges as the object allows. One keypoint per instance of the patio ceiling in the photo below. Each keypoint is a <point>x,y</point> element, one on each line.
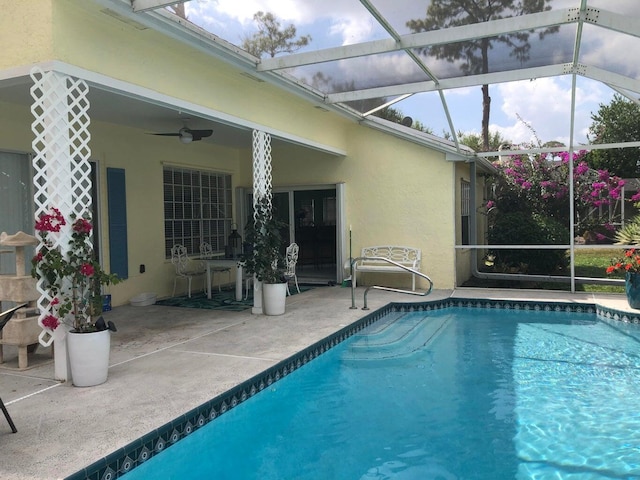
<point>584,38</point>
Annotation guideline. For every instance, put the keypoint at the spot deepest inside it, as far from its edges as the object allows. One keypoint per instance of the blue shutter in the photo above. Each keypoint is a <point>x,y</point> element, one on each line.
<point>117,201</point>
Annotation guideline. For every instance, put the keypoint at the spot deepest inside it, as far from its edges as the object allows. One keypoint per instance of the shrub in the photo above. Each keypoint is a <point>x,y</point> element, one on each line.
<point>520,228</point>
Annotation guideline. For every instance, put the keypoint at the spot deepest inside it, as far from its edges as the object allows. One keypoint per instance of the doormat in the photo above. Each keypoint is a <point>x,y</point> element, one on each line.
<point>225,300</point>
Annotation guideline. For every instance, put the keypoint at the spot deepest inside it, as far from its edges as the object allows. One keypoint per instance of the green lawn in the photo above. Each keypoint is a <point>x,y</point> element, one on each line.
<point>594,263</point>
<point>589,262</point>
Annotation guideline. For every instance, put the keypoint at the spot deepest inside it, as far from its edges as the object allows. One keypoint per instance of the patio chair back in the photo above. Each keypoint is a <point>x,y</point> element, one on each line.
<point>4,319</point>
<point>184,269</point>
<point>206,251</point>
<point>291,260</point>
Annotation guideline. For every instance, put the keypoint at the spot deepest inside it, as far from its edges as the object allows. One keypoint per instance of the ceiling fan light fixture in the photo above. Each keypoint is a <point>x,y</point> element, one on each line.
<point>185,136</point>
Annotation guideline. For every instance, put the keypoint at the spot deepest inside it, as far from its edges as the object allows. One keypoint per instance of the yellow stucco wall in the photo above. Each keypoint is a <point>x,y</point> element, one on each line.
<point>397,192</point>
<point>26,32</point>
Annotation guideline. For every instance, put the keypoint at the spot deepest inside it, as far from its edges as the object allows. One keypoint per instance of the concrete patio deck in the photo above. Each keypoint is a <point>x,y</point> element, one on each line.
<point>168,360</point>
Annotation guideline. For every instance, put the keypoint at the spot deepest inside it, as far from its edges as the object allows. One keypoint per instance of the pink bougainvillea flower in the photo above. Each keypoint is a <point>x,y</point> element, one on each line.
<point>82,225</point>
<point>87,269</point>
<point>581,168</point>
<point>50,222</point>
<point>50,322</point>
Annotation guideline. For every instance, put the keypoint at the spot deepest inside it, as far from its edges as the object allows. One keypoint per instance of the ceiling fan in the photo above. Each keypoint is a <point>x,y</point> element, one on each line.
<point>186,135</point>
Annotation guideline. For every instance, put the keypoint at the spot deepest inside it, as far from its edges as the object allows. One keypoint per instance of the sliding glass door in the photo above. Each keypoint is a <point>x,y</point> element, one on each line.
<point>311,214</point>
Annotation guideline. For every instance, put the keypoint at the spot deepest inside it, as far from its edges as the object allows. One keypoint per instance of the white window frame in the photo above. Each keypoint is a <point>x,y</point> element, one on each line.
<point>197,208</point>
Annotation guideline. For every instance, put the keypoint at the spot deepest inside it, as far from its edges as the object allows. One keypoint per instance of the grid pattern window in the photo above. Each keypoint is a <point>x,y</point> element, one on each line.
<point>465,197</point>
<point>197,208</point>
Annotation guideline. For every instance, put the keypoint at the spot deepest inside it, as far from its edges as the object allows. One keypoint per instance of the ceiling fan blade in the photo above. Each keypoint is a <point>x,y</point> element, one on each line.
<point>200,134</point>
<point>187,135</point>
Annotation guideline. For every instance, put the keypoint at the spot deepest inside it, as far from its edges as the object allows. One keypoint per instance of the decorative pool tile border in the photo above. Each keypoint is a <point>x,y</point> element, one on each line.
<point>123,460</point>
<point>612,314</point>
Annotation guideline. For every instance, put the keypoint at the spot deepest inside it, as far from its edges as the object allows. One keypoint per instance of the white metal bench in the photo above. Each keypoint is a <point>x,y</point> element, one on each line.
<point>407,256</point>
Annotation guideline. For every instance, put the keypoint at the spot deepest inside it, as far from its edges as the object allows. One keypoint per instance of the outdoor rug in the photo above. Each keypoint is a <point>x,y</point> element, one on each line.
<point>225,300</point>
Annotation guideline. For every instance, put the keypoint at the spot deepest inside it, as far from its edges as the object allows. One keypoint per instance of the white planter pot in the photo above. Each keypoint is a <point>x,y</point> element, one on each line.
<point>89,357</point>
<point>274,297</point>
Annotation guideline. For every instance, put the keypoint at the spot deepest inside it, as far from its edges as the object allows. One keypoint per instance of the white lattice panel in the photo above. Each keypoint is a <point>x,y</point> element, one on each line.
<point>62,172</point>
<point>262,195</point>
<point>262,179</point>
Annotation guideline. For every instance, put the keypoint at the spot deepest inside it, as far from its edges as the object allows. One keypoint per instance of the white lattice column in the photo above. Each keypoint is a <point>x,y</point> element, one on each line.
<point>62,172</point>
<point>261,192</point>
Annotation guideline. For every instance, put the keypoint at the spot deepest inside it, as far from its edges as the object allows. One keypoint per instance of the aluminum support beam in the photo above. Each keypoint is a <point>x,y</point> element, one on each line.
<point>417,40</point>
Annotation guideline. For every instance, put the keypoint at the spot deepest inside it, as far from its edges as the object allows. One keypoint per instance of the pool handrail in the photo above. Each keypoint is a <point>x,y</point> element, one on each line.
<point>377,287</point>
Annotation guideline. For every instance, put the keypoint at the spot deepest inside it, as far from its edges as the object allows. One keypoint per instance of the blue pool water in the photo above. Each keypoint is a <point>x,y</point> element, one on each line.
<point>450,394</point>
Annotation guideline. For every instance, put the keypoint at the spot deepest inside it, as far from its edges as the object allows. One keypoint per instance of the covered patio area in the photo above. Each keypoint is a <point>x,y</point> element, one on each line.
<point>166,361</point>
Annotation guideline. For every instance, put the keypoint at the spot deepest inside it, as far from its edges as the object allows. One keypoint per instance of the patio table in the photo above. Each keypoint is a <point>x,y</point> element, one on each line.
<point>216,261</point>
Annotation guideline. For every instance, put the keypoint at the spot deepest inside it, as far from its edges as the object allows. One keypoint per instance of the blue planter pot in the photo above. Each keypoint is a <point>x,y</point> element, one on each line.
<point>632,287</point>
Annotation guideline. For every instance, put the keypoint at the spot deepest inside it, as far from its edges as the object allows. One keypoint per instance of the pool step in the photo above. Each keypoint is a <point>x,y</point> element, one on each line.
<point>397,337</point>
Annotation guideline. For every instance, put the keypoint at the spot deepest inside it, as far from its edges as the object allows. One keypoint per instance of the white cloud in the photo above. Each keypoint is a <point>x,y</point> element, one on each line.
<point>353,29</point>
<point>545,104</point>
<point>243,11</point>
<point>347,21</point>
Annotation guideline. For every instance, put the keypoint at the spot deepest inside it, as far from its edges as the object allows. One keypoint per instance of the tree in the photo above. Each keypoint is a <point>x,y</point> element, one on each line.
<point>396,116</point>
<point>271,39</point>
<point>474,54</point>
<point>474,140</point>
<point>617,122</point>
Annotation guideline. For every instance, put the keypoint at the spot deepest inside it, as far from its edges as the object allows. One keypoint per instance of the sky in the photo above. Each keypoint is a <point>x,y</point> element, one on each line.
<point>523,112</point>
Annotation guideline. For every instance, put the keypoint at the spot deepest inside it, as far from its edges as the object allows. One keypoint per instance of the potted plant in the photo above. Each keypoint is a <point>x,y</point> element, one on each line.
<point>73,280</point>
<point>629,264</point>
<point>266,260</point>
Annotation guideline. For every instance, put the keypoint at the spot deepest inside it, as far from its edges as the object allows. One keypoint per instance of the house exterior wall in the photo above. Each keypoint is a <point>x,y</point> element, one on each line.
<point>397,192</point>
<point>464,257</point>
<point>26,32</point>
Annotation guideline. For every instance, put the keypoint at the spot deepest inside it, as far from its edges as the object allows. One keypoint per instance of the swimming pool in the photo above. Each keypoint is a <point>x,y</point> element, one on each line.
<point>541,395</point>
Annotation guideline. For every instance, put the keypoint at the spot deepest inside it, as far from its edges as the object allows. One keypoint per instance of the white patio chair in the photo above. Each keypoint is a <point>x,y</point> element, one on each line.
<point>291,259</point>
<point>184,267</point>
<point>206,253</point>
